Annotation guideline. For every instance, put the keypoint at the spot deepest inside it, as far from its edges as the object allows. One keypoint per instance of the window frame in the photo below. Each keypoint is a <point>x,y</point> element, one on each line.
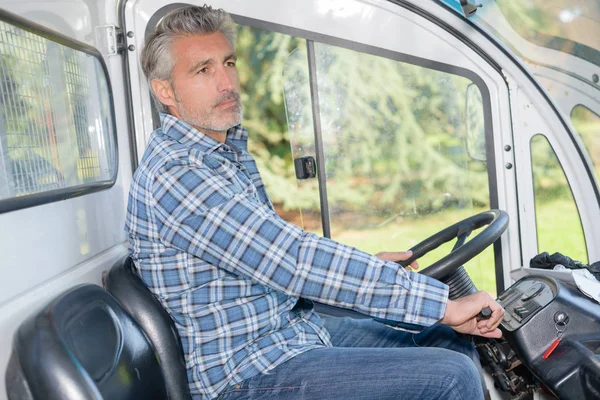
<point>51,196</point>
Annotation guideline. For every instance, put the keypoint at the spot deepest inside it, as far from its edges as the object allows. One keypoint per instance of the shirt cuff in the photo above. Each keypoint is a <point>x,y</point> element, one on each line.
<point>427,301</point>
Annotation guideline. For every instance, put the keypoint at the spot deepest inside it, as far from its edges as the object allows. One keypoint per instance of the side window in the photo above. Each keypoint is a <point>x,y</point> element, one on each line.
<point>404,149</point>
<point>404,144</point>
<point>261,57</point>
<point>587,124</point>
<point>57,134</point>
<point>558,223</point>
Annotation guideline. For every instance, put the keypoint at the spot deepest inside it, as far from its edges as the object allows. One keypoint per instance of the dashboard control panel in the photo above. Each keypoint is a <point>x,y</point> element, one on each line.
<point>538,310</point>
<point>525,299</point>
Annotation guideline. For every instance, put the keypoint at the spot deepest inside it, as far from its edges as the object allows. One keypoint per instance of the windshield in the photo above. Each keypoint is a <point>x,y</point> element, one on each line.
<point>532,27</point>
<point>545,21</point>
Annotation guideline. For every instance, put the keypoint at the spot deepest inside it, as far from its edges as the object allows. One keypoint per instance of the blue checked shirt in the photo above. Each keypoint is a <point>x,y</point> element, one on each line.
<point>206,240</point>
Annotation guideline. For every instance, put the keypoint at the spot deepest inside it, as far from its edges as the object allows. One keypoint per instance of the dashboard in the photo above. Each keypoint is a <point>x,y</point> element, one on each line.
<point>524,299</point>
<point>554,332</point>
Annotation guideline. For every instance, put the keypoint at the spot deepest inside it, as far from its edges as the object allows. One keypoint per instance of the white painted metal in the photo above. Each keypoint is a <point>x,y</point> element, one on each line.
<point>12,314</point>
<point>528,121</point>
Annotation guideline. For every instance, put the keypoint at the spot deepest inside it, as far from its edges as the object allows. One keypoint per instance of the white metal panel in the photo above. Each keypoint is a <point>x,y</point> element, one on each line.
<point>39,243</point>
<point>73,18</point>
<point>529,121</point>
<point>12,314</point>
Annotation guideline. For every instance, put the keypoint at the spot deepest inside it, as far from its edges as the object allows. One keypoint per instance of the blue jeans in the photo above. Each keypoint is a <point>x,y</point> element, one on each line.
<point>372,361</point>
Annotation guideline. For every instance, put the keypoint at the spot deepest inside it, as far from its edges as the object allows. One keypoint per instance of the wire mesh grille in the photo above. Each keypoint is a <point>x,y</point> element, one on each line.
<point>55,119</point>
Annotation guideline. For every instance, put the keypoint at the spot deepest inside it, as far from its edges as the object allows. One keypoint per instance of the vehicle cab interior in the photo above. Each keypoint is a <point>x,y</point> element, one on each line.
<point>468,133</point>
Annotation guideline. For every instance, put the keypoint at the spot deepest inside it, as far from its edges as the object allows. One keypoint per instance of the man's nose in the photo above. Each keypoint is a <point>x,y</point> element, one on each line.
<point>225,81</point>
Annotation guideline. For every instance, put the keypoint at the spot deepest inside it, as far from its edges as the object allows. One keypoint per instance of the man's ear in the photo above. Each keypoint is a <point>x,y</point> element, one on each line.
<point>164,92</point>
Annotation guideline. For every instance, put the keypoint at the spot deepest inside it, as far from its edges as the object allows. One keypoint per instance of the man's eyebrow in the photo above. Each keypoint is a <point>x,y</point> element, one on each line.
<point>207,61</point>
<point>200,63</point>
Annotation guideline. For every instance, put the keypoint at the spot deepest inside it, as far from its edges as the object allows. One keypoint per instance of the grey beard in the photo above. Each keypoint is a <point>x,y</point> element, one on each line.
<point>208,120</point>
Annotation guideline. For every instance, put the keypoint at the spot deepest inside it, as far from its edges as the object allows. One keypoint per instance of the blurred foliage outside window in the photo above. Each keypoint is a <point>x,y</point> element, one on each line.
<point>394,138</point>
<point>261,55</point>
<point>558,224</point>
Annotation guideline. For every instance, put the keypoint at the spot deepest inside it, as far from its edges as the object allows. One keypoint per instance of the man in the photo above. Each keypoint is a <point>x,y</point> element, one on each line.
<point>233,275</point>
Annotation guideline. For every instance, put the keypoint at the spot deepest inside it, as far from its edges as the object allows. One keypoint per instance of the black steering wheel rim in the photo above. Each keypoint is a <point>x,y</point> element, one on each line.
<point>496,221</point>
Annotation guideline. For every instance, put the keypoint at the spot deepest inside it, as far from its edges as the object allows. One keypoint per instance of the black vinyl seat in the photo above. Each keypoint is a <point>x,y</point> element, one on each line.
<point>83,345</point>
<point>126,286</point>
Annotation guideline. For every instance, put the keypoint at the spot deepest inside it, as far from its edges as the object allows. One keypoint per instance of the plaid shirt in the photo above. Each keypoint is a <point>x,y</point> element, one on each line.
<point>208,243</point>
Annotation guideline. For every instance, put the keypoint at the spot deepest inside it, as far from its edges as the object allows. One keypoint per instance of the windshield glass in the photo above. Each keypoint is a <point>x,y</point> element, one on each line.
<point>529,27</point>
<point>543,21</point>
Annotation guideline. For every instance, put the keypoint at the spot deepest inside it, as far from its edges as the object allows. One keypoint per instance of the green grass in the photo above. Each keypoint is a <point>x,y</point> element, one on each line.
<point>558,226</point>
<point>559,229</point>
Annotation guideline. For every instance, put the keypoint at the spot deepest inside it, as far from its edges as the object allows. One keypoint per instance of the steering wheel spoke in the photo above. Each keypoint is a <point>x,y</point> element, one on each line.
<point>460,240</point>
<point>496,221</point>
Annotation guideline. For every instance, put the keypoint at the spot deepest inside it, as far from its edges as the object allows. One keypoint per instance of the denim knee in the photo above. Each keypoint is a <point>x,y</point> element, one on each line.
<point>463,378</point>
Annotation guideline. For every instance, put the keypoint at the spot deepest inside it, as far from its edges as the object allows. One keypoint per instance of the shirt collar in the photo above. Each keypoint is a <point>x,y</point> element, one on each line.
<point>187,135</point>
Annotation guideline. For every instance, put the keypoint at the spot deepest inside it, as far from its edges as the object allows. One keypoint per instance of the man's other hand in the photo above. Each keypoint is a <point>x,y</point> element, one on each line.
<point>396,256</point>
<point>461,315</point>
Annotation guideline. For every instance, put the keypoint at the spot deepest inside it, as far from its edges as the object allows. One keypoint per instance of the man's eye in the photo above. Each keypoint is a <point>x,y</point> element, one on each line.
<point>230,63</point>
<point>203,70</point>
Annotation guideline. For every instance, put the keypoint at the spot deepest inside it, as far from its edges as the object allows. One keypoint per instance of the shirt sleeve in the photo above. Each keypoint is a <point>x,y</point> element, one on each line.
<point>201,213</point>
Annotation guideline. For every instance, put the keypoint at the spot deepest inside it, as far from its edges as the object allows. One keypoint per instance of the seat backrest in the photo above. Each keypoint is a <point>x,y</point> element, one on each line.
<point>126,286</point>
<point>83,345</point>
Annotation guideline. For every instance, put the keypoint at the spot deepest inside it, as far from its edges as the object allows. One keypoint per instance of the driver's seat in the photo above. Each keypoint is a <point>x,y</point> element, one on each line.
<point>126,286</point>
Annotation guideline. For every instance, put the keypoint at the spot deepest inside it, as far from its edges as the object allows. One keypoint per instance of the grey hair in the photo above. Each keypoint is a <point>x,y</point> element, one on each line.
<point>156,58</point>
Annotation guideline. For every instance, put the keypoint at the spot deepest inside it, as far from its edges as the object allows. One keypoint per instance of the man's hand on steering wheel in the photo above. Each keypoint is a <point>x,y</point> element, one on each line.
<point>396,256</point>
<point>461,315</point>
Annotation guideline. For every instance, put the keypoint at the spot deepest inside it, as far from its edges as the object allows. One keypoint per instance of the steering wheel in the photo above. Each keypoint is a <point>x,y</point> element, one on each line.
<point>449,268</point>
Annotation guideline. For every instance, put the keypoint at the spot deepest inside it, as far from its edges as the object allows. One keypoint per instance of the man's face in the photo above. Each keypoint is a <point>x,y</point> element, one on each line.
<point>205,83</point>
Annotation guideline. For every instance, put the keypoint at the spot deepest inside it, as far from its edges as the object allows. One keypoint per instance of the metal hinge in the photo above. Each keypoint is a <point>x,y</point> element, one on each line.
<point>468,8</point>
<point>110,40</point>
